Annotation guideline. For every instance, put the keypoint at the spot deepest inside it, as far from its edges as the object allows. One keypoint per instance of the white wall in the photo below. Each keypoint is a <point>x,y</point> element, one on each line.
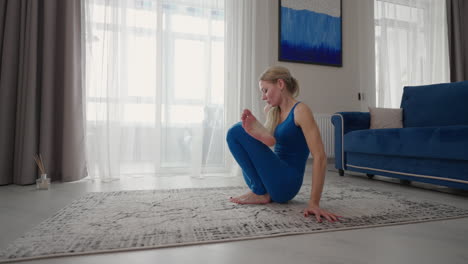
<point>329,89</point>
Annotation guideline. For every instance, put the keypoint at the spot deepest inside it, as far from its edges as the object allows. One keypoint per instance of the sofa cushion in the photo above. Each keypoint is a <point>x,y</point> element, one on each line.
<point>449,142</point>
<point>435,105</point>
<point>385,117</point>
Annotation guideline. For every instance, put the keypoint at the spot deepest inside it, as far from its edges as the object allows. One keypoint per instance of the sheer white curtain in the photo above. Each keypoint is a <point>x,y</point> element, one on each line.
<point>411,46</point>
<point>249,51</point>
<point>155,87</point>
<point>166,79</point>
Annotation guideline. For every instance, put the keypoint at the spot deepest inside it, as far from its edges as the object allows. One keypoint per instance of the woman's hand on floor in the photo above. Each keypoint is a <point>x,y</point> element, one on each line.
<point>319,213</point>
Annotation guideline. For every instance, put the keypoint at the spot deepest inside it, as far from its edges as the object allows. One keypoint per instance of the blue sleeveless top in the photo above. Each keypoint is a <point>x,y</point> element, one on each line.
<point>291,146</point>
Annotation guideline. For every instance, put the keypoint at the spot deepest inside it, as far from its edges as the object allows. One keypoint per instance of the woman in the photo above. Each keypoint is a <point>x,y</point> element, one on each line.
<point>277,176</point>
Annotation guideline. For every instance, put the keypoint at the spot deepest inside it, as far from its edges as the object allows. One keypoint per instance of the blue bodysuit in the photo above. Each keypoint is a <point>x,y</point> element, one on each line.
<point>278,173</point>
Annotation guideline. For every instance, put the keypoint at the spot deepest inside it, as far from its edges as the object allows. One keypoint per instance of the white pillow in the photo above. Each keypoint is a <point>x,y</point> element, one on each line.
<point>386,118</point>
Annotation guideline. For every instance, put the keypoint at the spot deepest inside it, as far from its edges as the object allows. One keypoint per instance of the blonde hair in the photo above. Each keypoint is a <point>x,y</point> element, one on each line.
<point>272,75</point>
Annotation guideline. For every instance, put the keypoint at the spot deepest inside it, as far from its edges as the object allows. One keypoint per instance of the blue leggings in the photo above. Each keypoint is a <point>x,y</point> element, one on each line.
<point>264,172</point>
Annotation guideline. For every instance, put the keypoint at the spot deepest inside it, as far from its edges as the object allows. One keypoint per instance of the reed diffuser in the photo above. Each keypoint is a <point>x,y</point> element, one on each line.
<point>43,182</point>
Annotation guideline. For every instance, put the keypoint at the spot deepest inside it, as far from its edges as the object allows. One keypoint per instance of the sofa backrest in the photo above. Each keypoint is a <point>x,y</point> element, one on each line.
<point>444,104</point>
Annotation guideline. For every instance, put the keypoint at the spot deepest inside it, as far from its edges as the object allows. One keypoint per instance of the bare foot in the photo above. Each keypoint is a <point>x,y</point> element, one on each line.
<point>251,198</point>
<point>255,129</point>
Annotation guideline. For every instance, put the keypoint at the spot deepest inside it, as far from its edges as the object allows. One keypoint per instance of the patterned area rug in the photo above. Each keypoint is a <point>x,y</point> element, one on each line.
<point>132,220</point>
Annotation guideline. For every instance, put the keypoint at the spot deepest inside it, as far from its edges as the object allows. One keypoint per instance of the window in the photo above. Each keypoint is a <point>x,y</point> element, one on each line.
<point>411,46</point>
<point>155,74</point>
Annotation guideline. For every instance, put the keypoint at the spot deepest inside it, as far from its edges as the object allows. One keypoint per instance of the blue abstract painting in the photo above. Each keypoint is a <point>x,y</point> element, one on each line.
<point>310,31</point>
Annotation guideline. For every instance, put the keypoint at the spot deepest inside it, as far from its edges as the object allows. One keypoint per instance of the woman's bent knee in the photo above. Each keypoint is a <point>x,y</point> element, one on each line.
<point>234,131</point>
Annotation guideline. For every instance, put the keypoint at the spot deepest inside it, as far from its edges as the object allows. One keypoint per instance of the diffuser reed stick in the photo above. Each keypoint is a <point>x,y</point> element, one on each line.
<point>40,163</point>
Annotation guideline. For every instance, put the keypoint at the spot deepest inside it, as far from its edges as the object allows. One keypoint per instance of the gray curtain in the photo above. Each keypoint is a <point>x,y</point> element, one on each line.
<point>41,95</point>
<point>457,18</point>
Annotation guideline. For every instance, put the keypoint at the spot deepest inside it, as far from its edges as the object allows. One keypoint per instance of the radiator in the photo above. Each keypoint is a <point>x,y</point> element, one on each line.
<point>326,131</point>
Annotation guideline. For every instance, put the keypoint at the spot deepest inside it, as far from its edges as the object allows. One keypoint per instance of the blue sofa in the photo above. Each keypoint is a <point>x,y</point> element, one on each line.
<point>431,147</point>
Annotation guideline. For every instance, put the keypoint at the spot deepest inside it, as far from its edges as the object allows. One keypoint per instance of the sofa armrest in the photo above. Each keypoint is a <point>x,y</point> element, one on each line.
<point>349,121</point>
<point>345,122</point>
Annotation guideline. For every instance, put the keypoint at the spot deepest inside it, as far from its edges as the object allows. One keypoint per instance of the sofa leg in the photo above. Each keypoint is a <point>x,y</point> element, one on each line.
<point>370,176</point>
<point>341,172</point>
<point>405,182</point>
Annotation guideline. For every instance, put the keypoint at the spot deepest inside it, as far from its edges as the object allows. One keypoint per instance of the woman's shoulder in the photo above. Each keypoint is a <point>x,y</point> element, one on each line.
<point>302,113</point>
<point>302,108</point>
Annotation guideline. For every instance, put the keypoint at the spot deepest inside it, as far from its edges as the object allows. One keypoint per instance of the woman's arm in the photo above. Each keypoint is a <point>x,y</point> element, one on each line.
<point>305,119</point>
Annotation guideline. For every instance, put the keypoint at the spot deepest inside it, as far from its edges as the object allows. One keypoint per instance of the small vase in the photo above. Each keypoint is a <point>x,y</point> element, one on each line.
<point>43,183</point>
